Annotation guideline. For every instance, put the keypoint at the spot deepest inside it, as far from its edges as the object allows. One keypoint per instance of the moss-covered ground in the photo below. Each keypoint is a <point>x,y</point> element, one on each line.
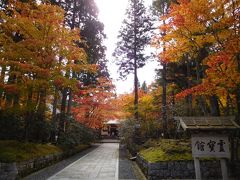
<point>14,151</point>
<point>167,150</point>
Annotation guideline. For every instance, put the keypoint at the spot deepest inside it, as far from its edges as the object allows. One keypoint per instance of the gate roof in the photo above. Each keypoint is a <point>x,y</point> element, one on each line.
<point>207,123</point>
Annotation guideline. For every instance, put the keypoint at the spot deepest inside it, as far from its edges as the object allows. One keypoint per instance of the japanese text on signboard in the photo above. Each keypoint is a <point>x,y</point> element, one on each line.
<point>210,146</point>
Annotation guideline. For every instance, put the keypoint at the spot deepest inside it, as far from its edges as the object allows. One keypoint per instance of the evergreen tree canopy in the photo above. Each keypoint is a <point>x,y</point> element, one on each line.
<point>83,14</point>
<point>144,87</point>
<point>133,37</point>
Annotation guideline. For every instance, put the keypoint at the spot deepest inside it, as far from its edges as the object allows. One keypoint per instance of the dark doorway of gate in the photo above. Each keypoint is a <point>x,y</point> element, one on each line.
<point>110,129</point>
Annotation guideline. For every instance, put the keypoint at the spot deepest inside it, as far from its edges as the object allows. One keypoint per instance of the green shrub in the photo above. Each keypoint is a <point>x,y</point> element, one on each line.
<point>126,131</point>
<point>11,124</point>
<point>128,136</point>
<point>15,124</point>
<point>150,128</point>
<point>75,134</point>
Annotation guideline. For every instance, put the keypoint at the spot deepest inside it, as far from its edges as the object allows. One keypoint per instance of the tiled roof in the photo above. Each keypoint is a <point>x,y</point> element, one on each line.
<point>207,123</point>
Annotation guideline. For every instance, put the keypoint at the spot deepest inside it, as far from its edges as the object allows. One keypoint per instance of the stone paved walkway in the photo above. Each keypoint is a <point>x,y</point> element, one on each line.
<point>100,164</point>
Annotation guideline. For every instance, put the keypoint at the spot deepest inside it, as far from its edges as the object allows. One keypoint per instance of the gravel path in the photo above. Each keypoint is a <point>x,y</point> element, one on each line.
<point>128,170</point>
<point>125,165</point>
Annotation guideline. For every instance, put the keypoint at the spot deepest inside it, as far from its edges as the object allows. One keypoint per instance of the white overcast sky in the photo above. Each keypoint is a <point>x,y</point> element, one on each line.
<point>112,13</point>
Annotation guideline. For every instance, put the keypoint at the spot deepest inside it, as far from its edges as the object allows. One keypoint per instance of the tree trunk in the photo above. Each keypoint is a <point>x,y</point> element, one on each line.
<point>238,103</point>
<point>135,93</point>
<point>69,102</point>
<point>164,98</point>
<point>189,105</point>
<point>29,115</point>
<point>135,67</point>
<point>201,99</point>
<point>74,14</point>
<point>41,114</point>
<point>69,106</point>
<point>16,99</point>
<point>227,110</point>
<point>54,115</point>
<point>63,111</point>
<point>164,86</point>
<point>189,85</point>
<point>214,106</point>
<point>238,90</point>
<point>173,101</point>
<point>9,96</point>
<point>3,70</point>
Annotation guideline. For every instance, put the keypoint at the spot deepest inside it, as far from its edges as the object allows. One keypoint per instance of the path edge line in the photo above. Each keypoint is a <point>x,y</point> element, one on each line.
<point>73,163</point>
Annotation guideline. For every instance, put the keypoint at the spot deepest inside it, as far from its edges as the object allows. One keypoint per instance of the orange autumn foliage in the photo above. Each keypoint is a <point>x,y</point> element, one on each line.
<point>95,103</point>
<point>196,24</point>
<point>32,40</point>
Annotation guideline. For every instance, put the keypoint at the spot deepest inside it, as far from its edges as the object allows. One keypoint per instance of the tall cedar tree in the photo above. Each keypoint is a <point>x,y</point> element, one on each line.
<point>83,14</point>
<point>133,37</point>
<point>162,7</point>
